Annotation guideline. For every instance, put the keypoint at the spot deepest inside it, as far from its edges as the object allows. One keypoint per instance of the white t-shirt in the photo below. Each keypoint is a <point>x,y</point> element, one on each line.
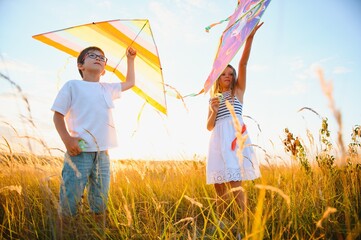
<point>87,110</point>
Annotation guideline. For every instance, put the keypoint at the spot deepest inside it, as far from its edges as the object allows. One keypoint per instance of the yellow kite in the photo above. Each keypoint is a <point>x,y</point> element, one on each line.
<point>113,37</point>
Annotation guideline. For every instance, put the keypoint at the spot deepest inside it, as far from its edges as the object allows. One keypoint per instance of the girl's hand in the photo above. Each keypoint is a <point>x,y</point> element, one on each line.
<point>131,53</point>
<point>214,104</point>
<point>255,30</point>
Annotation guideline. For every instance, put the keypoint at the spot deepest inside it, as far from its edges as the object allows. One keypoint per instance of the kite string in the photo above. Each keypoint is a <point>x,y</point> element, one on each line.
<point>130,45</point>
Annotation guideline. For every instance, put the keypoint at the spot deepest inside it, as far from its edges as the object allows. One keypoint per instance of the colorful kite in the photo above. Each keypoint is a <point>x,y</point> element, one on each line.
<point>241,24</point>
<point>113,37</point>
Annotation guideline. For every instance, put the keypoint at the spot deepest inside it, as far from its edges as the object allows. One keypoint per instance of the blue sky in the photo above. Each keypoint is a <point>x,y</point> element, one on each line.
<point>297,38</point>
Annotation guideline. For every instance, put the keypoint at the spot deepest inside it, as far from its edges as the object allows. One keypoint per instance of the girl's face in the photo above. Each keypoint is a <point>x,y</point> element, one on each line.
<point>226,79</point>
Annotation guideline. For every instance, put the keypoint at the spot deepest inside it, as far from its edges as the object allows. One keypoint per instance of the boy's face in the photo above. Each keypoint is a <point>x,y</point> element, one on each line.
<point>94,61</point>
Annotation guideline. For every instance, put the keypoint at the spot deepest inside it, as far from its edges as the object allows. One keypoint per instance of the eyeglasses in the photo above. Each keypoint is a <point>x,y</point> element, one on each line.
<point>94,56</point>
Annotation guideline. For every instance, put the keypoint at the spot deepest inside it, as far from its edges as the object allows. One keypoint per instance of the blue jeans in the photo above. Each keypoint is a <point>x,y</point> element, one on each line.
<point>91,169</point>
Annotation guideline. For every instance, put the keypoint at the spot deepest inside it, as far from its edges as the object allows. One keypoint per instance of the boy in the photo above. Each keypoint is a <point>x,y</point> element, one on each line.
<point>83,120</point>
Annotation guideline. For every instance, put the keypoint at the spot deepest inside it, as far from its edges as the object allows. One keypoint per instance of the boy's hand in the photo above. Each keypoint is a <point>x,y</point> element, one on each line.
<point>131,53</point>
<point>72,146</point>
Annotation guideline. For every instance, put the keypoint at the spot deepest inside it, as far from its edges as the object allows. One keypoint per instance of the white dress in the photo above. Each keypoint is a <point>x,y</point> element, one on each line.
<point>223,164</point>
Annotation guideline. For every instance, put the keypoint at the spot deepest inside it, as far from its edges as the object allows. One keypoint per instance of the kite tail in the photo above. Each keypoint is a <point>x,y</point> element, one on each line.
<point>215,24</point>
<point>220,22</point>
<point>176,95</point>
<point>138,118</point>
<point>194,94</point>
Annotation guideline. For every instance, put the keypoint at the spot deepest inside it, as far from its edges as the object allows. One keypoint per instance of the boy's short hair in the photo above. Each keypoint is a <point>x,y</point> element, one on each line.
<point>82,54</point>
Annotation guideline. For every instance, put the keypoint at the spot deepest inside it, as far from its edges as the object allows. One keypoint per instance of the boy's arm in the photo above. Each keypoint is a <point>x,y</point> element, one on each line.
<point>71,143</point>
<point>130,78</point>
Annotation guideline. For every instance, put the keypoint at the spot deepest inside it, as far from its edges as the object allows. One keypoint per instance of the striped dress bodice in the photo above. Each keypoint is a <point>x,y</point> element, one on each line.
<point>223,111</point>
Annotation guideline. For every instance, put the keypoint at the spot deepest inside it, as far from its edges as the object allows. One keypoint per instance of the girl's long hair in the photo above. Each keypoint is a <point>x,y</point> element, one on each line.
<point>217,89</point>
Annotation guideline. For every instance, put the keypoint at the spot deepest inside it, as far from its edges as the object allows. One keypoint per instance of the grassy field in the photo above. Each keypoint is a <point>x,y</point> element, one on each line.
<point>169,200</point>
<point>317,196</point>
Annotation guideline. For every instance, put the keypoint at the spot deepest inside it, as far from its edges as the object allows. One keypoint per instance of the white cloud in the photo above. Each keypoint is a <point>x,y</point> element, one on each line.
<point>327,59</point>
<point>341,70</point>
<point>296,64</point>
<point>166,19</point>
<point>296,88</point>
<point>196,3</point>
<point>322,64</point>
<point>14,65</point>
<point>180,21</point>
<point>259,68</point>
<point>300,70</point>
<point>102,4</point>
<point>106,4</point>
<point>191,5</point>
<point>307,72</point>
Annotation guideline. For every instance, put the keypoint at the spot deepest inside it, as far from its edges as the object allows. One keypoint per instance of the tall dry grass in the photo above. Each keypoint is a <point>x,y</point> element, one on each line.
<point>169,200</point>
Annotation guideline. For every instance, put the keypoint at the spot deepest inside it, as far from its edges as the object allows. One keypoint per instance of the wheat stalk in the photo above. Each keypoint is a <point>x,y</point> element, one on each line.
<point>328,211</point>
<point>194,202</point>
<point>241,139</point>
<point>327,89</point>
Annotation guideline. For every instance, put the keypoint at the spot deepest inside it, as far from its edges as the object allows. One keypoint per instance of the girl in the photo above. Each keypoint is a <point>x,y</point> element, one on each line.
<point>223,167</point>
